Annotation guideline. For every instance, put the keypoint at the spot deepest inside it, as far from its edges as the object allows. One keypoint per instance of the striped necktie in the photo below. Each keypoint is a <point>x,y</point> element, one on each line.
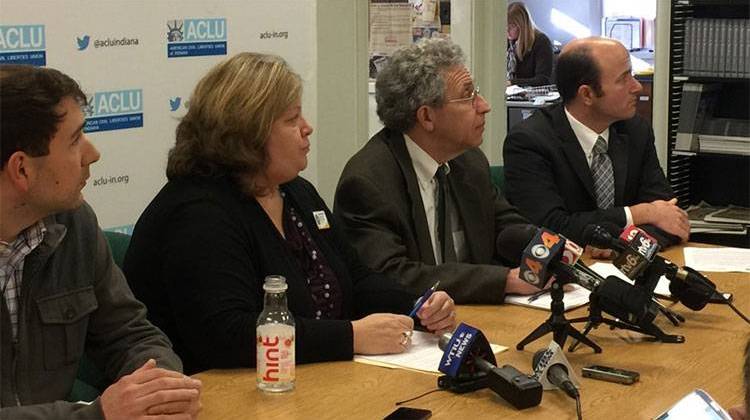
<point>604,180</point>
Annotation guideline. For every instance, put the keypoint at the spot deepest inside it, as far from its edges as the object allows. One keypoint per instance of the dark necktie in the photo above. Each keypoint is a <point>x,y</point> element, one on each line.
<point>445,230</point>
<point>604,180</point>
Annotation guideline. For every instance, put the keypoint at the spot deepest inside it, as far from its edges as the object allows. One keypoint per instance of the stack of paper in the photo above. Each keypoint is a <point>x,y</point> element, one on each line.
<point>722,259</point>
<point>705,218</point>
<point>423,355</point>
<point>575,296</point>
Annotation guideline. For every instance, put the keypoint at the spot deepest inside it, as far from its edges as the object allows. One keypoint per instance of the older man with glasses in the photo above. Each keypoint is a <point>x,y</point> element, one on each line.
<point>417,201</point>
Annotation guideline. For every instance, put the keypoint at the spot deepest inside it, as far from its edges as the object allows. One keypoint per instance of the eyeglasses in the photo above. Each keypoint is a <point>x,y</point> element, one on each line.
<point>472,97</point>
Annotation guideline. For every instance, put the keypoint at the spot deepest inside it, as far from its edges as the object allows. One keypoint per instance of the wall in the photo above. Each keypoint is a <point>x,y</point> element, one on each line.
<point>550,15</point>
<point>122,47</point>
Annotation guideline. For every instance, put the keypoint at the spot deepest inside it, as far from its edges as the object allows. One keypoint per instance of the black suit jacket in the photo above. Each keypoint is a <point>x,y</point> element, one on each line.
<point>198,259</point>
<point>548,177</point>
<point>379,203</point>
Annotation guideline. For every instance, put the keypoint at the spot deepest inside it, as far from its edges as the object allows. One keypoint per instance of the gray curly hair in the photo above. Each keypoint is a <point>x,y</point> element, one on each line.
<point>412,78</point>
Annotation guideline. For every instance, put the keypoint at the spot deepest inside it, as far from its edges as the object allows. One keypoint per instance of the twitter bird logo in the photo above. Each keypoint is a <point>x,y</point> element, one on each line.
<point>174,104</point>
<point>83,43</point>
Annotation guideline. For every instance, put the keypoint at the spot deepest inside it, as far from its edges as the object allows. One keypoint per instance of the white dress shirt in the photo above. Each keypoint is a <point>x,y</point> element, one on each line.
<point>425,167</point>
<point>587,138</point>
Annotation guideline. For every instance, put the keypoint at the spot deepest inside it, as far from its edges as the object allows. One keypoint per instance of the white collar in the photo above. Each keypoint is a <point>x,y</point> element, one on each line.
<point>424,165</point>
<point>586,136</point>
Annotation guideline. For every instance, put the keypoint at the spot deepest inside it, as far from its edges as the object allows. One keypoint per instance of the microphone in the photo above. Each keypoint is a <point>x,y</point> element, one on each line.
<point>467,356</point>
<point>691,288</point>
<point>624,301</point>
<point>552,369</point>
<point>587,277</point>
<point>539,252</point>
<point>635,248</point>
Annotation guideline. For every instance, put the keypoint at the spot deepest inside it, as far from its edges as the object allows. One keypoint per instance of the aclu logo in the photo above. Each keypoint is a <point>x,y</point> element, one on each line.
<point>23,44</point>
<point>196,37</point>
<point>114,110</point>
<point>84,41</point>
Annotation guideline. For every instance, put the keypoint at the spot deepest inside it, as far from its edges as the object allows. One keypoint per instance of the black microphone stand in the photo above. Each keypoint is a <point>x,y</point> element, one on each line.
<point>648,281</point>
<point>557,324</point>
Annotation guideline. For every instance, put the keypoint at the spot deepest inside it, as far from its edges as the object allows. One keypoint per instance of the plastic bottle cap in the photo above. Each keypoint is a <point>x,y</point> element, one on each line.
<point>275,284</point>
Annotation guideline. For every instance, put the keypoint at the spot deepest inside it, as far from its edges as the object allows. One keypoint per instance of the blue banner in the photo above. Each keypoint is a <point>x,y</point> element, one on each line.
<point>34,58</point>
<point>113,122</point>
<point>196,49</point>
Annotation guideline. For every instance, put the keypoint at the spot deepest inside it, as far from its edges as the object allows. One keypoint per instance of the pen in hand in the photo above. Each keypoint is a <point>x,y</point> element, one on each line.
<point>422,299</point>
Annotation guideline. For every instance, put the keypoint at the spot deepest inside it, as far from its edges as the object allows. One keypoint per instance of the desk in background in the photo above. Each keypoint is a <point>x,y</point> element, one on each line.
<point>711,359</point>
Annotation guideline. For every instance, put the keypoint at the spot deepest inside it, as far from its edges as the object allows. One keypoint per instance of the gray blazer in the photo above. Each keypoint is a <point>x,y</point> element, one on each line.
<point>379,204</point>
<point>73,299</point>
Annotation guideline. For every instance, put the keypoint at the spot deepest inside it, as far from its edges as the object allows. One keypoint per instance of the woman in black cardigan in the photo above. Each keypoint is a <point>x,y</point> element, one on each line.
<point>234,211</point>
<point>529,52</point>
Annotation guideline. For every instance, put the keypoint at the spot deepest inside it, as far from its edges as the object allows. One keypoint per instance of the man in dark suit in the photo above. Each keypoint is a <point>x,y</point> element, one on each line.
<point>591,160</point>
<point>417,201</point>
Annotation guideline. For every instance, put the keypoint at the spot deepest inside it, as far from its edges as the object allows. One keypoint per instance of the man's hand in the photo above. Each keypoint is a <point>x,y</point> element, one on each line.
<point>664,215</point>
<point>599,253</point>
<point>150,390</point>
<point>738,412</point>
<point>438,314</point>
<point>514,284</point>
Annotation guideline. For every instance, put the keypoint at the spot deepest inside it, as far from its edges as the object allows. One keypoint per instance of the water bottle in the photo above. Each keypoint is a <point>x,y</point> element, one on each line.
<point>275,339</point>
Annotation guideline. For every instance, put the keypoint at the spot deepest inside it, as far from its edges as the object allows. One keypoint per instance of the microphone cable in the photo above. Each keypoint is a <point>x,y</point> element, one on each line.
<point>420,396</point>
<point>578,407</point>
<point>734,308</point>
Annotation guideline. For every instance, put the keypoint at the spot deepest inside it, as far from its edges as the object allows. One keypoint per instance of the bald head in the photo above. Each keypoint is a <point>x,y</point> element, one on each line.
<point>580,63</point>
<point>592,43</point>
<point>595,80</point>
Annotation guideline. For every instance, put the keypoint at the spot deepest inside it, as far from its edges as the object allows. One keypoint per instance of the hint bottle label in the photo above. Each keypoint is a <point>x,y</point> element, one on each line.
<point>275,353</point>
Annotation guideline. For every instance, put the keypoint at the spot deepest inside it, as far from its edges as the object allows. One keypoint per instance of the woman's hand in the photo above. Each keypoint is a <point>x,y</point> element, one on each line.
<point>382,333</point>
<point>438,314</point>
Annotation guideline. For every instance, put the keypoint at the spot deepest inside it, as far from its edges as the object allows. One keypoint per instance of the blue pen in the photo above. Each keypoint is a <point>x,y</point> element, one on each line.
<point>423,299</point>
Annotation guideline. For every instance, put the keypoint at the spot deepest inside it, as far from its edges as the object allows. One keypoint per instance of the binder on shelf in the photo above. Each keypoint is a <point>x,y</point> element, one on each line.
<point>698,101</point>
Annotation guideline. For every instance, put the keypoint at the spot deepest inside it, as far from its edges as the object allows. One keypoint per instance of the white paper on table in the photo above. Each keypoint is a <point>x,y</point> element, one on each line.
<point>423,355</point>
<point>577,296</point>
<point>724,259</point>
<point>608,269</point>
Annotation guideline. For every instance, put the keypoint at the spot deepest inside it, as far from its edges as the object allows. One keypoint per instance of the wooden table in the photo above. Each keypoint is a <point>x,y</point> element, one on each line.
<point>711,359</point>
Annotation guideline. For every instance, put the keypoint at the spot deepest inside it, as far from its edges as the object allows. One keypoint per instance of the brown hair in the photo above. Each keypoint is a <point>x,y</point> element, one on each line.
<point>29,100</point>
<point>229,118</point>
<point>519,16</point>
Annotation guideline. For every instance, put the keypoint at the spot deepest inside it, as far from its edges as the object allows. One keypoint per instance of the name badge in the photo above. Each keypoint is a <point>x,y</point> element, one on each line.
<point>321,220</point>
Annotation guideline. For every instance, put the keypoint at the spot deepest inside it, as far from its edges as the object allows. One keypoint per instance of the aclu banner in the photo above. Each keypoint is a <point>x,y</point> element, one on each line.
<point>137,93</point>
<point>115,110</point>
<point>196,37</point>
<point>23,44</point>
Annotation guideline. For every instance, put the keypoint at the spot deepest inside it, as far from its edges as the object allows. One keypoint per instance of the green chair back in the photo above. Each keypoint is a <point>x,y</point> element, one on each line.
<point>118,243</point>
<point>498,177</point>
<point>90,381</point>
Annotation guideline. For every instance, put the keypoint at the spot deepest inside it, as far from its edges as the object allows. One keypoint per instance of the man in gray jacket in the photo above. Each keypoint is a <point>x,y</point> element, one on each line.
<point>62,295</point>
<point>417,201</point>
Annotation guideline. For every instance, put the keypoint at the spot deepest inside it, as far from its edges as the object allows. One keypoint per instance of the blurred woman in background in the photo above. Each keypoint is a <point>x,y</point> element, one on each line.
<point>529,50</point>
